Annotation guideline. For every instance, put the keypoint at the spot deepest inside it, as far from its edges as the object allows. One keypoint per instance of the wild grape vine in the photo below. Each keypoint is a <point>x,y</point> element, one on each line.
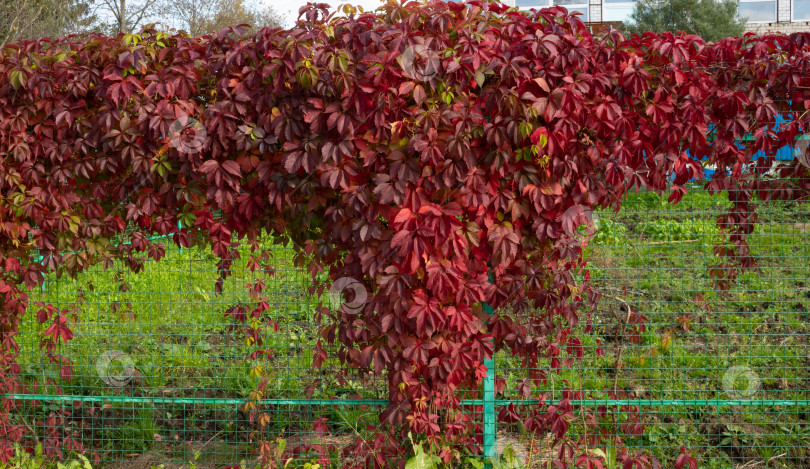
<point>441,154</point>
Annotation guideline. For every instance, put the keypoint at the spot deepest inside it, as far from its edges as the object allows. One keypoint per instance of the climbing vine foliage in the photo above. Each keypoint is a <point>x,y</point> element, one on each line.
<point>442,155</point>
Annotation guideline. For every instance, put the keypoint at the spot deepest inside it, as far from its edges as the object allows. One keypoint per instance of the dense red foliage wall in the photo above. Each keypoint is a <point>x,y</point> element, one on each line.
<point>415,149</point>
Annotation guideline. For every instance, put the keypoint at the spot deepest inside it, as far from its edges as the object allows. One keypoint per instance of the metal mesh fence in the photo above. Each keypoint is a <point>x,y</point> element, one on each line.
<point>724,372</point>
<point>161,373</point>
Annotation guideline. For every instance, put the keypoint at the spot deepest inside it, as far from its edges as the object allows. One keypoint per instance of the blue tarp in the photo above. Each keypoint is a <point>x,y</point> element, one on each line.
<point>786,153</point>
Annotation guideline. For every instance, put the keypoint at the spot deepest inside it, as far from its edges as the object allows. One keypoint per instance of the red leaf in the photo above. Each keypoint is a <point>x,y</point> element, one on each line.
<point>232,167</point>
<point>419,94</point>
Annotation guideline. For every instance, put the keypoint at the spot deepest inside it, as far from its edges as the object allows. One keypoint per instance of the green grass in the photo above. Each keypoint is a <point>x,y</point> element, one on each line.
<point>173,327</point>
<point>651,255</point>
<point>654,256</point>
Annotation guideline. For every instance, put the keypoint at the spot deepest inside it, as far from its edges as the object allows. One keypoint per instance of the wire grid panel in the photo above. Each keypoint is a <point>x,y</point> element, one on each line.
<point>725,373</point>
<point>161,372</point>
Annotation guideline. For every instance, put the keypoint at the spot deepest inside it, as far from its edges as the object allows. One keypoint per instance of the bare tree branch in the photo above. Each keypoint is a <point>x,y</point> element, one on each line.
<point>191,15</point>
<point>126,15</point>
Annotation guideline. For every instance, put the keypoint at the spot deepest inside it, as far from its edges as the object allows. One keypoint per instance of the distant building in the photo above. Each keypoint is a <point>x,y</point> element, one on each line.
<point>787,16</point>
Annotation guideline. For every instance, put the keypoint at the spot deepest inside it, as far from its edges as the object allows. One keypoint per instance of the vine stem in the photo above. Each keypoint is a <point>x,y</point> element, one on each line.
<point>623,325</point>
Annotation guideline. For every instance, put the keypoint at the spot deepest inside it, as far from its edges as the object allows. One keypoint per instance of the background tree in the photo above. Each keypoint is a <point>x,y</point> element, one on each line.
<point>31,19</point>
<point>191,15</point>
<point>125,16</point>
<point>198,17</point>
<point>710,19</point>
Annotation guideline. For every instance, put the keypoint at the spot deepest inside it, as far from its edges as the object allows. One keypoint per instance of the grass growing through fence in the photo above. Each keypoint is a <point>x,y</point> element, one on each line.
<point>652,257</point>
<point>167,324</point>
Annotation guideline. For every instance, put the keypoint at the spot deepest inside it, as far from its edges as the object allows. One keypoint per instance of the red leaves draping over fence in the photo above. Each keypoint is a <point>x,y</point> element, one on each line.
<point>416,149</point>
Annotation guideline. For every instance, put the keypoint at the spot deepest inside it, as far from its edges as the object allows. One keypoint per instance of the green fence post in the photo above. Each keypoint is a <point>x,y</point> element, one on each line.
<point>489,399</point>
<point>180,227</point>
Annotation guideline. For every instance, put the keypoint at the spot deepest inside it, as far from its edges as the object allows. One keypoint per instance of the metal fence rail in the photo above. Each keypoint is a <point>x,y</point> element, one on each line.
<point>160,373</point>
